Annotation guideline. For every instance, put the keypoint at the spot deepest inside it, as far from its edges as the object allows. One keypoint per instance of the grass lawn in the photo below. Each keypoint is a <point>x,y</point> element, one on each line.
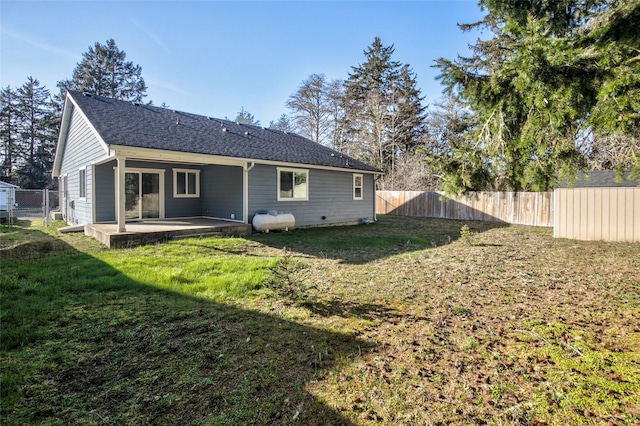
<point>404,321</point>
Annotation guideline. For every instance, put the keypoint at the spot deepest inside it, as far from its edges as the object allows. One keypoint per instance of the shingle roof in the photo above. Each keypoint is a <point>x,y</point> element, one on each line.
<point>600,179</point>
<point>137,125</point>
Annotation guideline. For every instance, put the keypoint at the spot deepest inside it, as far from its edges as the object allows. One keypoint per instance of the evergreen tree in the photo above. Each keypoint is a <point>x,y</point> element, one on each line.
<point>245,117</point>
<point>614,35</point>
<point>407,121</point>
<point>37,135</point>
<point>552,73</point>
<point>8,133</point>
<point>449,151</point>
<point>446,127</point>
<point>104,71</point>
<point>382,108</point>
<point>283,124</point>
<point>366,103</point>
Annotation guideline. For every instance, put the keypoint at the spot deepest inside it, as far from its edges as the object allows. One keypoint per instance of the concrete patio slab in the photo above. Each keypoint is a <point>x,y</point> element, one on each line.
<point>156,230</point>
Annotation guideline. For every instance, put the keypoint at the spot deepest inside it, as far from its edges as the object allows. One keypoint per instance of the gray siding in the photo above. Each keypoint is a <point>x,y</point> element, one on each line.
<point>173,207</point>
<point>81,149</point>
<point>221,192</point>
<point>330,195</point>
<point>221,195</point>
<point>105,192</point>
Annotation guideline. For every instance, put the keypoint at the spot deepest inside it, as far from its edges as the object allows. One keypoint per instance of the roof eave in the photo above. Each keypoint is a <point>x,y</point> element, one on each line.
<point>67,110</point>
<point>154,154</point>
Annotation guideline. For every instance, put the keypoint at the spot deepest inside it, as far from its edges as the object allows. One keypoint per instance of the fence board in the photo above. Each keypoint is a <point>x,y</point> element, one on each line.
<point>523,208</point>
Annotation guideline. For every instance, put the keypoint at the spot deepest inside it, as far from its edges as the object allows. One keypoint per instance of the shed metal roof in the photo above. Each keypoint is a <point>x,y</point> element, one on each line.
<point>600,179</point>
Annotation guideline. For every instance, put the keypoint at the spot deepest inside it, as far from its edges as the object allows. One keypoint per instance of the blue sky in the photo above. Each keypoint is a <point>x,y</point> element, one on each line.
<point>214,57</point>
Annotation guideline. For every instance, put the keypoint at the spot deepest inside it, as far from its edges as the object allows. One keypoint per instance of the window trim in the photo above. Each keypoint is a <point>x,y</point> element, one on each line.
<point>361,186</point>
<point>186,183</point>
<point>82,183</point>
<point>294,171</point>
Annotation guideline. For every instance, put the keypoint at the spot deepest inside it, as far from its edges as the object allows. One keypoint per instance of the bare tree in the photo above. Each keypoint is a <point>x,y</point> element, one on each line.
<point>310,109</point>
<point>411,173</point>
<point>614,152</point>
<point>335,101</point>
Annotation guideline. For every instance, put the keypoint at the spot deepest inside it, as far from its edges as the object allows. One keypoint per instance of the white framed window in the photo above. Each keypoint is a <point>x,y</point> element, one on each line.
<point>82,182</point>
<point>186,183</point>
<point>358,183</point>
<point>293,184</point>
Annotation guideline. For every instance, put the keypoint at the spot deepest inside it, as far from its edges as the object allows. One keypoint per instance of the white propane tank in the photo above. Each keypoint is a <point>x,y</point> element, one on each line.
<point>273,221</point>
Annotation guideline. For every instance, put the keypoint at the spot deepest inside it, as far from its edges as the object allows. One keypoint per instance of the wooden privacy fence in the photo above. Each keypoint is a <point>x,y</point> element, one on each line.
<point>522,208</point>
<point>610,214</point>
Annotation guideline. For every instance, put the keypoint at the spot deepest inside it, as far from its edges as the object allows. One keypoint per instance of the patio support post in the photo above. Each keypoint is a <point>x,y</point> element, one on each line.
<point>120,201</point>
<point>246,168</point>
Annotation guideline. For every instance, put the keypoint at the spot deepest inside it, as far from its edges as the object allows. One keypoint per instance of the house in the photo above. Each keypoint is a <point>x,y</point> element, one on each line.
<point>120,161</point>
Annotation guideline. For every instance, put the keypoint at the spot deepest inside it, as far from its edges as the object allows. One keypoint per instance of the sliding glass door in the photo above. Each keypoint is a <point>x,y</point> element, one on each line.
<point>142,195</point>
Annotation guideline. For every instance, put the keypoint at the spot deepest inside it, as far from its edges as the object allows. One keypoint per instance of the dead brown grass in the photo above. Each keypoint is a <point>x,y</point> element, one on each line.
<point>508,326</point>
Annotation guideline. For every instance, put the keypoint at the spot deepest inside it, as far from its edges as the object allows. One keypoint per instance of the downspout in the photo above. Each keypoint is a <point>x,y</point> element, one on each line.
<point>246,168</point>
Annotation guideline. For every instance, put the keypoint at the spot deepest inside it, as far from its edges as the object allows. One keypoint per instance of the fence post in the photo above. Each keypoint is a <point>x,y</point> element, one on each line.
<point>10,202</point>
<point>46,207</point>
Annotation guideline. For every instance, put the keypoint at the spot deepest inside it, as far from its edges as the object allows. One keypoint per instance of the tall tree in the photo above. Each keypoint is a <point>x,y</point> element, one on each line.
<point>447,127</point>
<point>284,124</point>
<point>8,133</point>
<point>366,103</point>
<point>38,129</point>
<point>552,73</point>
<point>382,108</point>
<point>335,106</point>
<point>104,71</point>
<point>406,123</point>
<point>310,108</point>
<point>452,156</point>
<point>613,32</point>
<point>245,117</point>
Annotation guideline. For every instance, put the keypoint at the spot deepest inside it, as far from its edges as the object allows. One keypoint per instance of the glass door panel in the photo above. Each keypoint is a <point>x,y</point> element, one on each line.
<point>142,195</point>
<point>132,196</point>
<point>150,195</point>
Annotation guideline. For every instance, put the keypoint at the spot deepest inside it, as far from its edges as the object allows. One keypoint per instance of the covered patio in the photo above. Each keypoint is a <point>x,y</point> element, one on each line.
<point>156,230</point>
